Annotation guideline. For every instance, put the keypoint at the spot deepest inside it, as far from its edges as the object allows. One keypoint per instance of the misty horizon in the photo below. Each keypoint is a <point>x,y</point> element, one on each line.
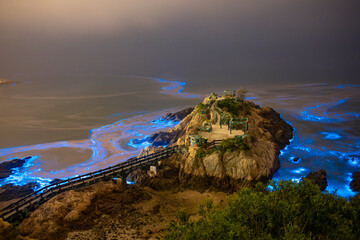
<point>233,41</point>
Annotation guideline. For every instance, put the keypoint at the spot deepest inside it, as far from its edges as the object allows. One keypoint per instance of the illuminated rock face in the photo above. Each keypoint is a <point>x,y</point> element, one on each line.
<point>268,135</point>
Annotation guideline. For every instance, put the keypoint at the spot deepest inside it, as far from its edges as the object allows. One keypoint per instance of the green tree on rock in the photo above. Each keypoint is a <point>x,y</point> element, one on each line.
<point>241,93</point>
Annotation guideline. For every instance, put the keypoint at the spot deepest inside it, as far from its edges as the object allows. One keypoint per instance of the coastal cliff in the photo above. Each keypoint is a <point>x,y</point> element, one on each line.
<point>227,169</point>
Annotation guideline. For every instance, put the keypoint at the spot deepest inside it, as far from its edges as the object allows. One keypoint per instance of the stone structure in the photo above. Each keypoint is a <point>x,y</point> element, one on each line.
<point>229,93</point>
<point>196,140</point>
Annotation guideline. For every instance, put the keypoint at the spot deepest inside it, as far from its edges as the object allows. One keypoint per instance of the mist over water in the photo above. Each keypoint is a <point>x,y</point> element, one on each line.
<point>88,72</point>
<point>200,42</point>
<point>67,108</point>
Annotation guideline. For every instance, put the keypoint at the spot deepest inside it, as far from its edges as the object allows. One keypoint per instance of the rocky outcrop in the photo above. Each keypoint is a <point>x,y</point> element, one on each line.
<point>268,134</point>
<point>9,232</point>
<point>10,191</point>
<point>80,210</point>
<point>161,139</point>
<point>318,178</point>
<point>178,116</point>
<point>166,177</point>
<point>272,122</point>
<point>149,150</point>
<point>355,182</point>
<point>171,136</point>
<point>6,168</point>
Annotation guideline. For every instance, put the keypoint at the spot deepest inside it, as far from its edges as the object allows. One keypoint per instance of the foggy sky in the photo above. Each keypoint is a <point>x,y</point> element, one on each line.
<point>193,40</point>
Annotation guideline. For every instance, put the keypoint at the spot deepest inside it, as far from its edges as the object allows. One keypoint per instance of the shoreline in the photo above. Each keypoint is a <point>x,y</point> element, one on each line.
<point>107,144</point>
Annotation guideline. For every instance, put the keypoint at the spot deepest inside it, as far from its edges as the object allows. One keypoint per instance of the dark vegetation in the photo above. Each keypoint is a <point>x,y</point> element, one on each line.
<point>290,211</point>
<point>229,105</point>
<point>241,93</point>
<point>201,107</point>
<point>226,145</point>
<point>233,144</point>
<point>201,152</point>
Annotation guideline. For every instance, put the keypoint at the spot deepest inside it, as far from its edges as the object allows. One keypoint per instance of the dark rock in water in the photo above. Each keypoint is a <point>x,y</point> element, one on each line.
<point>178,116</point>
<point>6,167</point>
<point>167,138</point>
<point>318,178</point>
<point>355,182</point>
<point>161,139</point>
<point>10,191</point>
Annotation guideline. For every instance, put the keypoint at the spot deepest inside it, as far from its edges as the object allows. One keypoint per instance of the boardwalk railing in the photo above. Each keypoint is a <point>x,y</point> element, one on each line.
<point>40,196</point>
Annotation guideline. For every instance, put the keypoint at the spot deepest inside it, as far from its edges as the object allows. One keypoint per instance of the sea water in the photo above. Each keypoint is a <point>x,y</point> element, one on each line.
<point>85,123</point>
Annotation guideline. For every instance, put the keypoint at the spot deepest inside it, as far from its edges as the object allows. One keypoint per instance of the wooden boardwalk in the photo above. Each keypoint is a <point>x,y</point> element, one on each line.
<point>33,200</point>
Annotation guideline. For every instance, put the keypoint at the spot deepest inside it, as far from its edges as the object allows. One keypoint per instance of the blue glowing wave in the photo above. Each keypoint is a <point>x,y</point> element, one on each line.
<point>174,88</point>
<point>320,112</point>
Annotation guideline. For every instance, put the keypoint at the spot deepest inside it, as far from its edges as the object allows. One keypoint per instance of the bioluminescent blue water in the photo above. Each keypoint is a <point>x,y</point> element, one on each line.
<point>325,118</point>
<point>326,135</point>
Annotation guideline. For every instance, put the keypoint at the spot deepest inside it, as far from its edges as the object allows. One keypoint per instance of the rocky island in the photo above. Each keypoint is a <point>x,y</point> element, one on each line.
<point>229,141</point>
<point>222,144</point>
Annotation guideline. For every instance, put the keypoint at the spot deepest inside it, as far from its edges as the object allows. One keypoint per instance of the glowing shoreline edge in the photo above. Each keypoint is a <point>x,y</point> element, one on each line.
<point>343,190</point>
<point>174,88</point>
<point>22,175</point>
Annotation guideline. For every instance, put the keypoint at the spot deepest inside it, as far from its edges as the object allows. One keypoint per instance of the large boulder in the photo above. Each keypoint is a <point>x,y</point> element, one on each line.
<point>318,178</point>
<point>355,182</point>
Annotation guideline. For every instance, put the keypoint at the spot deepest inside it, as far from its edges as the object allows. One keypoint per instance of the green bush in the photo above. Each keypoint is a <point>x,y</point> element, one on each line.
<point>233,144</point>
<point>226,117</point>
<point>200,153</point>
<point>290,211</point>
<point>230,105</point>
<point>182,216</point>
<point>201,107</point>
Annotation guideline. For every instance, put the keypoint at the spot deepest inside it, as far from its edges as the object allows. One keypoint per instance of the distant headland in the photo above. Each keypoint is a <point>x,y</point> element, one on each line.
<point>7,83</point>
